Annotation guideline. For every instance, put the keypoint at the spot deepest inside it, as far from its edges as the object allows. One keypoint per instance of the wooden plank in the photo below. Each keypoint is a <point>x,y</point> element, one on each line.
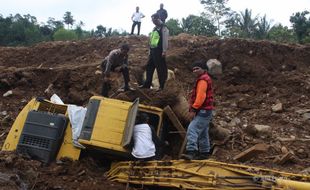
<point>182,148</point>
<point>175,121</point>
<point>251,152</point>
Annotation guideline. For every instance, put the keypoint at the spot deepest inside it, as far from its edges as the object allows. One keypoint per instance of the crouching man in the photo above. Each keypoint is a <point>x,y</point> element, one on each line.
<point>116,61</point>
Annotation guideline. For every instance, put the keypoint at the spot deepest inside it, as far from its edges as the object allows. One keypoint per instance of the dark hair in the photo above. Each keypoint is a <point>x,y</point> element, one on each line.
<point>200,63</point>
<point>142,118</point>
<point>125,47</point>
<point>155,16</point>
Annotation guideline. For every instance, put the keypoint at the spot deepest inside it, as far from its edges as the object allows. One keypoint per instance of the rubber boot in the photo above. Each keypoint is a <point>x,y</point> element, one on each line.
<point>203,156</point>
<point>189,155</point>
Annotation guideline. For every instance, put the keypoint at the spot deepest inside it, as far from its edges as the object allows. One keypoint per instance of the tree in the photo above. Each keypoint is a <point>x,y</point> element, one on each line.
<point>198,25</point>
<point>216,9</point>
<point>263,27</point>
<point>174,27</point>
<point>301,25</point>
<point>281,34</point>
<point>54,24</point>
<point>68,19</point>
<point>79,30</point>
<point>100,32</point>
<point>247,24</point>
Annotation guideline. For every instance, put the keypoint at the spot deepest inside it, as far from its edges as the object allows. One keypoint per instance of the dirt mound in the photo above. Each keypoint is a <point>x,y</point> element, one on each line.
<point>257,76</point>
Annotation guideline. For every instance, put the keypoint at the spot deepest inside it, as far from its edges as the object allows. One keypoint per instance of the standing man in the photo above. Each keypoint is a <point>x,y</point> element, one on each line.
<point>117,61</point>
<point>157,55</point>
<point>162,13</point>
<point>201,106</point>
<point>136,18</point>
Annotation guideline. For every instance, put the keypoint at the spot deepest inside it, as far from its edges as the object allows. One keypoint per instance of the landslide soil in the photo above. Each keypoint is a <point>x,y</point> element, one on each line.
<point>256,76</point>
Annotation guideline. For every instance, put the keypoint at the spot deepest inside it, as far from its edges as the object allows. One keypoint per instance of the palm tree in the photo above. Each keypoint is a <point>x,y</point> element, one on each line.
<point>247,23</point>
<point>263,28</point>
<point>68,19</point>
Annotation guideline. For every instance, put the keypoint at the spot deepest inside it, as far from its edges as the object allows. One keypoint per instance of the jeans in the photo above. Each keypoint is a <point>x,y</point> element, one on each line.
<point>198,132</point>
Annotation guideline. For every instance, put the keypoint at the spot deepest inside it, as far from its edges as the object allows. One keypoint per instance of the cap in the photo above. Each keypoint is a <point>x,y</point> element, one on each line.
<point>200,63</point>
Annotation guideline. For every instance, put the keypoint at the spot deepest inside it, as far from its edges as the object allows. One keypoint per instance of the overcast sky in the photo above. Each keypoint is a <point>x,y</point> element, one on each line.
<point>117,13</point>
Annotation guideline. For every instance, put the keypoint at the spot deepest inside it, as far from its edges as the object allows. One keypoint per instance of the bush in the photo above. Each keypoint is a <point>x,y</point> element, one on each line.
<point>63,34</point>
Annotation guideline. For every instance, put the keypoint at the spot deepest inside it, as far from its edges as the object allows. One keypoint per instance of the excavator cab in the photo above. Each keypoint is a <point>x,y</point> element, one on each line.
<point>43,130</point>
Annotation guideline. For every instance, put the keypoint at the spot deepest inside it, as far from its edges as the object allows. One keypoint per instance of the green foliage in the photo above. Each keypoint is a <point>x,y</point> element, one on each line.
<point>68,19</point>
<point>301,25</point>
<point>198,25</point>
<point>263,27</point>
<point>216,11</point>
<point>242,25</point>
<point>281,34</point>
<point>63,35</point>
<point>174,27</point>
<point>101,31</point>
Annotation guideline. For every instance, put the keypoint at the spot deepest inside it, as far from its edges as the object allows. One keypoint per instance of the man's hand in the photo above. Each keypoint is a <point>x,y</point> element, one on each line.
<point>163,54</point>
<point>191,115</point>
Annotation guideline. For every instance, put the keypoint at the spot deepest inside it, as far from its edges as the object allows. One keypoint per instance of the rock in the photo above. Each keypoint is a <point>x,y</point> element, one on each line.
<point>49,88</point>
<point>277,108</point>
<point>5,83</point>
<point>285,158</point>
<point>8,93</point>
<point>302,111</point>
<point>306,171</point>
<point>305,116</point>
<point>98,72</point>
<point>4,113</point>
<point>234,122</point>
<point>259,130</point>
<point>284,150</point>
<point>235,69</point>
<point>218,132</point>
<point>214,67</point>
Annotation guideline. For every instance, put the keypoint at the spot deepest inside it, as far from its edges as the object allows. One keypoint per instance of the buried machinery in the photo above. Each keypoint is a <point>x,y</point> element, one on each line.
<point>43,131</point>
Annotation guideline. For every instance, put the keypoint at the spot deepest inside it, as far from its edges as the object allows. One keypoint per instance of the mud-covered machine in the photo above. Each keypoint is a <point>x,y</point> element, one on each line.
<point>43,131</point>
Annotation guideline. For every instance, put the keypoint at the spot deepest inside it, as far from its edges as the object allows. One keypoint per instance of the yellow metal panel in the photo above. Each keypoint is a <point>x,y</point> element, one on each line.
<point>67,149</point>
<point>109,125</point>
<point>12,139</point>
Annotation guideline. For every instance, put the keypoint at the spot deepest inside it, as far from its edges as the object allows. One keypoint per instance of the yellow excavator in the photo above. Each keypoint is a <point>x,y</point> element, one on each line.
<point>43,131</point>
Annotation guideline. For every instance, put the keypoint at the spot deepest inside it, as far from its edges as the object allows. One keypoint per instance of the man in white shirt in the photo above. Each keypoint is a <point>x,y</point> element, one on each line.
<point>145,140</point>
<point>136,18</point>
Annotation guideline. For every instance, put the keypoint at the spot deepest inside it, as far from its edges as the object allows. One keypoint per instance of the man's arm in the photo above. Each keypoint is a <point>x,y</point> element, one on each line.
<point>110,59</point>
<point>155,138</point>
<point>165,35</point>
<point>165,14</point>
<point>201,94</point>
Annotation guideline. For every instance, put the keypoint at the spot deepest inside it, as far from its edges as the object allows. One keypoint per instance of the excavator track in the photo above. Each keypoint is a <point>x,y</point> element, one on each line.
<point>204,174</point>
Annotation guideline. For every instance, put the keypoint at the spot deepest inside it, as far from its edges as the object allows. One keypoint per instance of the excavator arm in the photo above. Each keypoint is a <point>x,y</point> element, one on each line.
<point>205,174</point>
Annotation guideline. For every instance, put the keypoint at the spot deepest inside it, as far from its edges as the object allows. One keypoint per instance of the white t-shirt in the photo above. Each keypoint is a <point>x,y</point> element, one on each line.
<point>136,16</point>
<point>144,146</point>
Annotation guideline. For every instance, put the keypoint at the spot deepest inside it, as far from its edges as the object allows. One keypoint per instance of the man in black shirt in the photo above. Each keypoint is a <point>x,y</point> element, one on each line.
<point>162,13</point>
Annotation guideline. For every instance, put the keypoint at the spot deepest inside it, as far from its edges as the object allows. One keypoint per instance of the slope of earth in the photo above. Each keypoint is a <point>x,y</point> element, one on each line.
<point>257,75</point>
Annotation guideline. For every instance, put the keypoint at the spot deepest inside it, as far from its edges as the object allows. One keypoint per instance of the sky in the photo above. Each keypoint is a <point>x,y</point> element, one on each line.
<point>117,13</point>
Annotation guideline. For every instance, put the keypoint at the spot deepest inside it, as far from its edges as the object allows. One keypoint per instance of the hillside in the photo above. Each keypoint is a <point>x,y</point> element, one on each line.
<point>257,75</point>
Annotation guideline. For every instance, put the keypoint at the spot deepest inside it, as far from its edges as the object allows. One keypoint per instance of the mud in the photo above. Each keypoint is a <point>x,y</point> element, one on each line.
<point>256,76</point>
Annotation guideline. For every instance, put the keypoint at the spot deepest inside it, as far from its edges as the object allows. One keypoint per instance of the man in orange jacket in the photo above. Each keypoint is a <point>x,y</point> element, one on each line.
<point>201,106</point>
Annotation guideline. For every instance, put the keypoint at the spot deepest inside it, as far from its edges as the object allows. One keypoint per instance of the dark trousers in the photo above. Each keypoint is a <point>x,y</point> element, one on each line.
<point>158,62</point>
<point>134,25</point>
